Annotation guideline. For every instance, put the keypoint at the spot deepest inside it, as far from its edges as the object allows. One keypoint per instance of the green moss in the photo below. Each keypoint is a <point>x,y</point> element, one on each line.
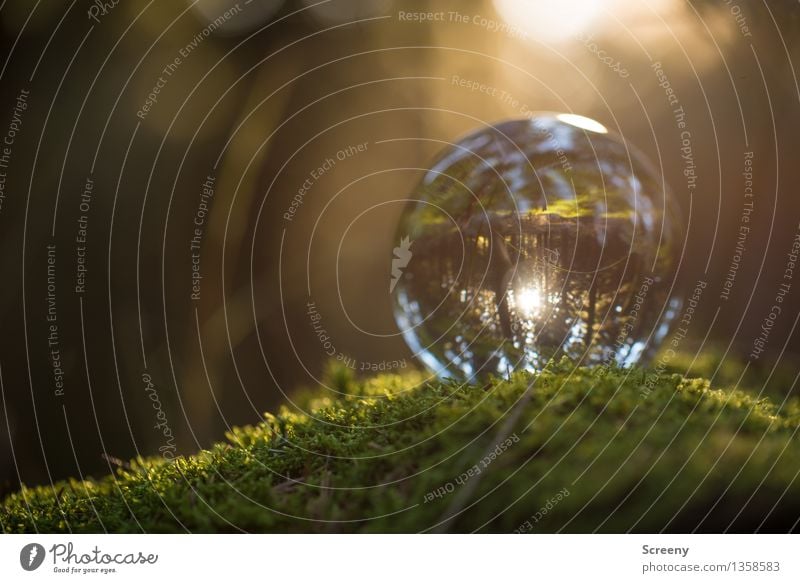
<point>569,449</point>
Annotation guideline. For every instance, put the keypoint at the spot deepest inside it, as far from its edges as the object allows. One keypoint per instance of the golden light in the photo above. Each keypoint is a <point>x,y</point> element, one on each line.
<point>349,11</point>
<point>584,123</point>
<point>529,301</point>
<point>548,20</point>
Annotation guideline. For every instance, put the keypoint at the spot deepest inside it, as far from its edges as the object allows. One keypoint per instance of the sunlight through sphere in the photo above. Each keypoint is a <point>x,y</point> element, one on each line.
<point>533,239</point>
<point>529,301</point>
<point>585,123</point>
<point>549,20</point>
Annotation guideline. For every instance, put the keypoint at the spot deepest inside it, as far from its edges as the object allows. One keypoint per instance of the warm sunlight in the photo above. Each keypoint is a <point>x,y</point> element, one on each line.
<point>529,301</point>
<point>584,123</point>
<point>549,21</point>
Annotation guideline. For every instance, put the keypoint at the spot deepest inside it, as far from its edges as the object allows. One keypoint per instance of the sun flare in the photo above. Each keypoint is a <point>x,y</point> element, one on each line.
<point>550,21</point>
<point>529,301</point>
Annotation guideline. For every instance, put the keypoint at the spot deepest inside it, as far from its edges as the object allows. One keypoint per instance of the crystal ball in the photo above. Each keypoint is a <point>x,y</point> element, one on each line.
<point>534,239</point>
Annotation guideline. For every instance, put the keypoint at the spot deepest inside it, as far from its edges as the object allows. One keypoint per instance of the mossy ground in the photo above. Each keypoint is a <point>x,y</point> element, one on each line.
<point>597,450</point>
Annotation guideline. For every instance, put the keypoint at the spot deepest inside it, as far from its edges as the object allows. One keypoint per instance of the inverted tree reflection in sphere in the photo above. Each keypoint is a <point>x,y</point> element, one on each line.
<point>532,239</point>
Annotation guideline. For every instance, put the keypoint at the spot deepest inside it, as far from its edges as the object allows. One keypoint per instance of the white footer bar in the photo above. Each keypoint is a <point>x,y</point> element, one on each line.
<point>401,558</point>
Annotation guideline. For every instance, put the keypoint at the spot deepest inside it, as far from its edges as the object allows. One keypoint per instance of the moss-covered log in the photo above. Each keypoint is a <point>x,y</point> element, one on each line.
<point>569,449</point>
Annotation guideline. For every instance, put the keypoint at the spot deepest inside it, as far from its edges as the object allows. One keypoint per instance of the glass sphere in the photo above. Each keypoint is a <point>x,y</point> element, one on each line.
<point>532,239</point>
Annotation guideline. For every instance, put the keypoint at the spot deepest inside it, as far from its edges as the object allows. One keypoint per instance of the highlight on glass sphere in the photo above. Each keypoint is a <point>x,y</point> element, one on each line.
<point>534,239</point>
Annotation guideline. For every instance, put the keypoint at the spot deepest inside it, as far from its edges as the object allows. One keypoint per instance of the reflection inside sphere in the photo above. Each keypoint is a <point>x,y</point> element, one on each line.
<point>532,239</point>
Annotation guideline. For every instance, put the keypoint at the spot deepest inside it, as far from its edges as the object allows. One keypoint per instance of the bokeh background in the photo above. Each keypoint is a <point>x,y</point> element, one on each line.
<point>259,101</point>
